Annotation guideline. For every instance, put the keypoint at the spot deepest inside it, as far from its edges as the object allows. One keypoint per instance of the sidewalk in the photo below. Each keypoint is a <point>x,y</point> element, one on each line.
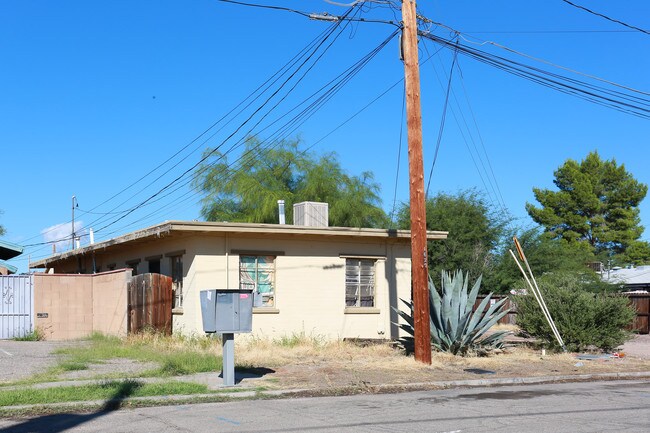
<point>246,389</point>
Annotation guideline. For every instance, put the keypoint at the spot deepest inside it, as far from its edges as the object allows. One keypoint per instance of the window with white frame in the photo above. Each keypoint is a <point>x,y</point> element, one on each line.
<point>257,273</point>
<point>359,282</point>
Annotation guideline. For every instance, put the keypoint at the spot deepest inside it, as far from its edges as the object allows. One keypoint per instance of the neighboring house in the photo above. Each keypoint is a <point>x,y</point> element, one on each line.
<point>634,279</point>
<point>324,281</point>
<point>8,251</point>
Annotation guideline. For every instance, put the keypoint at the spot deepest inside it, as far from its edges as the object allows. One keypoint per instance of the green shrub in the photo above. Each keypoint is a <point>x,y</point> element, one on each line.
<point>584,319</point>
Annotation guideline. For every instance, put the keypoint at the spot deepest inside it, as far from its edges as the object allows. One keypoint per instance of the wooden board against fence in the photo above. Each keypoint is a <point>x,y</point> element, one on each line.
<point>150,303</point>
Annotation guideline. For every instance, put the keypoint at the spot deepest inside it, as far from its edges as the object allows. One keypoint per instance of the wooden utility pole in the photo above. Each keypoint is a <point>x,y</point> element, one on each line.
<point>419,273</point>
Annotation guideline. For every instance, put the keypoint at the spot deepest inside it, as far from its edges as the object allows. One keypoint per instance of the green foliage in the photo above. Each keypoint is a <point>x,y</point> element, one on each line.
<point>455,328</point>
<point>2,229</point>
<point>35,335</point>
<point>583,319</point>
<point>249,191</point>
<point>109,390</point>
<point>544,254</point>
<point>596,205</point>
<point>474,229</point>
<point>174,355</point>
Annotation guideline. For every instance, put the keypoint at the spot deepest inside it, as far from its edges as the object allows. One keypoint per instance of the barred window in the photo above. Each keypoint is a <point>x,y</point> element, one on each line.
<point>360,282</point>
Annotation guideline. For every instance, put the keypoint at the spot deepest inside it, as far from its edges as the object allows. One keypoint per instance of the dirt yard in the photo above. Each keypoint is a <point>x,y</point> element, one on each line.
<point>308,364</point>
<point>345,365</point>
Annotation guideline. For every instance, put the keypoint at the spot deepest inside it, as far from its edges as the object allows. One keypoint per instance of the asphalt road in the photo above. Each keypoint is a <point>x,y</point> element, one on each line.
<point>622,406</point>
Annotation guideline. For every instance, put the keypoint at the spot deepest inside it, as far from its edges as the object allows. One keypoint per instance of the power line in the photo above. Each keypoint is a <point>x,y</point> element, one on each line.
<point>442,123</point>
<point>607,17</point>
<point>621,101</point>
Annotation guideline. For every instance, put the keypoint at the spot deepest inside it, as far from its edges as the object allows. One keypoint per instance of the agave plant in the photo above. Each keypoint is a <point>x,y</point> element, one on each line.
<point>455,327</point>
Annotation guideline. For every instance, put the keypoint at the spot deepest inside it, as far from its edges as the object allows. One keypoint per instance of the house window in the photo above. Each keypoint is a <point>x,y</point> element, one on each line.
<point>177,280</point>
<point>133,265</point>
<point>359,282</point>
<point>154,264</point>
<point>257,273</point>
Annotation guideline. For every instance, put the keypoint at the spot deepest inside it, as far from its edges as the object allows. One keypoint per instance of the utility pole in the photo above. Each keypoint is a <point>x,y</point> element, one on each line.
<point>419,272</point>
<point>73,245</point>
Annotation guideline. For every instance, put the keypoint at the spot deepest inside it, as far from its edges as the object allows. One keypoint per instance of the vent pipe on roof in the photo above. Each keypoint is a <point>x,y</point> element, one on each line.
<point>281,211</point>
<point>92,236</point>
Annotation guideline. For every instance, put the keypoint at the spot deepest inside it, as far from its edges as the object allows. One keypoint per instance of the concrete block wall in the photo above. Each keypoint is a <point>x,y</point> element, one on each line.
<point>74,306</point>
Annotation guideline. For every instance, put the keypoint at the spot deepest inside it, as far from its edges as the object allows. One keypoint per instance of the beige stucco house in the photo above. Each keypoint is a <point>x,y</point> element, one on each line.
<point>324,281</point>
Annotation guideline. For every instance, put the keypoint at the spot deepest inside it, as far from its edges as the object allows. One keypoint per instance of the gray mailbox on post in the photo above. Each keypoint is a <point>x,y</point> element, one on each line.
<point>227,311</point>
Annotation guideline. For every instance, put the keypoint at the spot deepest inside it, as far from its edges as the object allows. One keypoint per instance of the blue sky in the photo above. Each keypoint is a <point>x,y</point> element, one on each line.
<point>97,94</point>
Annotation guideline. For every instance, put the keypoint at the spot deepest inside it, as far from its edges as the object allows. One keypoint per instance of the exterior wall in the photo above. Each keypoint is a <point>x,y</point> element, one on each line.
<point>77,305</point>
<point>310,280</point>
<point>110,302</point>
<point>309,284</point>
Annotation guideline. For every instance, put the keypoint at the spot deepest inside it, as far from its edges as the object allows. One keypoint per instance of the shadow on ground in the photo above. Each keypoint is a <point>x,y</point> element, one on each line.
<point>62,422</point>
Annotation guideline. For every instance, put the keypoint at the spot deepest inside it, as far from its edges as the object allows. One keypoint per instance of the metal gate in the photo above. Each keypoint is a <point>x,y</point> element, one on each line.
<point>16,306</point>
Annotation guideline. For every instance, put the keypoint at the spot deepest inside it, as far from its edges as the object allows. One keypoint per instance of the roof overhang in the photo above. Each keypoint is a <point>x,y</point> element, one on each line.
<point>185,228</point>
<point>9,250</point>
<point>10,268</point>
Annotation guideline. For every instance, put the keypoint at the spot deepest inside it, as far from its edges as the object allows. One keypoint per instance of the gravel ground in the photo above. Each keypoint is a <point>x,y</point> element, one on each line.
<point>21,359</point>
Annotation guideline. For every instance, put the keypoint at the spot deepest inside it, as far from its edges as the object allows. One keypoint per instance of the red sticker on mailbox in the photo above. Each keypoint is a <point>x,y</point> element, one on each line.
<point>243,296</point>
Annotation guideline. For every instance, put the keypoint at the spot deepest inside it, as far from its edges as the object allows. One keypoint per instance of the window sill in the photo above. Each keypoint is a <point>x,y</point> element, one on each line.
<point>362,310</point>
<point>178,310</point>
<point>265,310</point>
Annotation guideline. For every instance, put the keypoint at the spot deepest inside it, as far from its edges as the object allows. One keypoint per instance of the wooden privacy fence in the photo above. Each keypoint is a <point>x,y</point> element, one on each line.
<point>640,301</point>
<point>150,303</point>
<point>508,319</point>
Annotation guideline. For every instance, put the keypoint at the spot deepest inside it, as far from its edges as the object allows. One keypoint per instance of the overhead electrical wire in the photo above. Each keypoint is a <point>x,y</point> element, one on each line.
<point>639,29</point>
<point>267,101</point>
<point>442,124</point>
<point>251,96</point>
<point>312,53</point>
<point>621,101</point>
<point>475,156</point>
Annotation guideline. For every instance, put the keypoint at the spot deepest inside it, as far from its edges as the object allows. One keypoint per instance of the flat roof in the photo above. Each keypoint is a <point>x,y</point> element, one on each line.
<point>9,250</point>
<point>282,230</point>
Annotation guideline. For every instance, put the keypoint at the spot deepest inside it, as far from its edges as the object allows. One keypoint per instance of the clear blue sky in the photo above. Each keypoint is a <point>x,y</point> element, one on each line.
<point>97,94</point>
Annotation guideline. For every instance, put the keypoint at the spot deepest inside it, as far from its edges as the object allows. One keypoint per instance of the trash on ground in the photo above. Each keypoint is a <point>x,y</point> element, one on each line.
<point>603,356</point>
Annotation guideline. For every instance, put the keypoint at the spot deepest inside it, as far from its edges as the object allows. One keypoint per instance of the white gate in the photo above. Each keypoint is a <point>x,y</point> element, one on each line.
<point>16,306</point>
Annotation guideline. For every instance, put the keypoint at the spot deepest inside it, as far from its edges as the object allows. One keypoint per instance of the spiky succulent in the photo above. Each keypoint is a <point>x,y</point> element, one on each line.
<point>455,327</point>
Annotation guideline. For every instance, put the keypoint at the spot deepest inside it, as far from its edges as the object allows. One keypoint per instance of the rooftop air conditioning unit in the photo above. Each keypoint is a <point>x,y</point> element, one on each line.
<point>311,214</point>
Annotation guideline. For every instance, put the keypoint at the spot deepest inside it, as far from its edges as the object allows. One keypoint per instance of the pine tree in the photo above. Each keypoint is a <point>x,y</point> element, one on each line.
<point>597,205</point>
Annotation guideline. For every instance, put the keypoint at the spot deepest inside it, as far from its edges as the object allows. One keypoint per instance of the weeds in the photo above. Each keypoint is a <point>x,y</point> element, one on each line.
<point>104,391</point>
<point>35,335</point>
<point>174,355</point>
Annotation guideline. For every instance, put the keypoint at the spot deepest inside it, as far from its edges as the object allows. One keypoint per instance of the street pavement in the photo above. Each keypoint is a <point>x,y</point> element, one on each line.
<point>614,406</point>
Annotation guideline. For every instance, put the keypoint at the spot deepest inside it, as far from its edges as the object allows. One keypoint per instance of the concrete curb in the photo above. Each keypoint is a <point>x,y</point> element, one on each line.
<point>445,384</point>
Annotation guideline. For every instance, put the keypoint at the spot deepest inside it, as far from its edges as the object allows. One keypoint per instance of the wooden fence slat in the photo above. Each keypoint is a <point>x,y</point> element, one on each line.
<point>640,301</point>
<point>150,303</point>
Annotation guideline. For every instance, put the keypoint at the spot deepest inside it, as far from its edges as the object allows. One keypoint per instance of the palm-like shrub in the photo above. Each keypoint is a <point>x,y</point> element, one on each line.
<point>455,327</point>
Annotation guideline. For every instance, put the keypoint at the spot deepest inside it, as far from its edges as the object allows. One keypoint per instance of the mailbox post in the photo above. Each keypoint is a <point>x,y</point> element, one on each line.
<point>227,312</point>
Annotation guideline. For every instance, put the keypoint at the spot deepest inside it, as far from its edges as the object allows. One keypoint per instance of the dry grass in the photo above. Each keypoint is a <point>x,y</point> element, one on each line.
<point>304,361</point>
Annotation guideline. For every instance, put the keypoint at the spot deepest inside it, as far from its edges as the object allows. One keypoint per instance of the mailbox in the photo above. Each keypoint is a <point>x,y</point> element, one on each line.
<point>227,311</point>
